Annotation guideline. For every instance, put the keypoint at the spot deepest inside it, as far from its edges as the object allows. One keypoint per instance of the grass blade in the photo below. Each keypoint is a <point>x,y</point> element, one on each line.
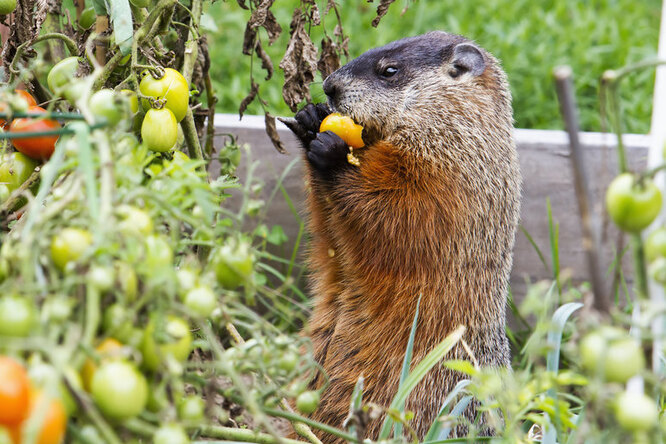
<point>560,318</point>
<point>536,247</point>
<point>434,433</point>
<point>406,362</point>
<point>553,236</point>
<point>423,367</point>
<point>356,401</point>
<point>457,411</point>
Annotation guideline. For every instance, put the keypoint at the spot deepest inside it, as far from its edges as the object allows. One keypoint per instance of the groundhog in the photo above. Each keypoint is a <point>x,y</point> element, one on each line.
<point>431,211</point>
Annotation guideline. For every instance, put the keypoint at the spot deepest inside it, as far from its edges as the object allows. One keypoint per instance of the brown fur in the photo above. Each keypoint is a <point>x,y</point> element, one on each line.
<point>432,210</point>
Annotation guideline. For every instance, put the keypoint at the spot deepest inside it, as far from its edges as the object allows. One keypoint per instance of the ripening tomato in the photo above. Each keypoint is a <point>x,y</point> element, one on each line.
<point>632,205</point>
<point>172,87</point>
<point>69,245</point>
<point>636,411</point>
<point>119,390</point>
<point>133,100</point>
<point>109,348</point>
<point>18,316</point>
<point>39,147</point>
<point>159,130</point>
<point>345,128</point>
<point>50,412</point>
<point>26,96</point>
<point>177,346</point>
<point>14,391</point>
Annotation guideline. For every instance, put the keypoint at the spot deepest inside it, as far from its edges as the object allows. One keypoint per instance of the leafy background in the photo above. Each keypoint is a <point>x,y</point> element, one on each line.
<point>529,37</point>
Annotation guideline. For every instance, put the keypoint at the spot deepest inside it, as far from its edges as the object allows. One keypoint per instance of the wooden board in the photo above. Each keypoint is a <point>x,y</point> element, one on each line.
<point>544,159</point>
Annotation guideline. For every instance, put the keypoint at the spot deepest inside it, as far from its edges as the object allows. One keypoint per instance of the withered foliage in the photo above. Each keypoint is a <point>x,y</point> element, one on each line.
<point>329,60</point>
<point>271,130</point>
<point>248,99</point>
<point>266,62</point>
<point>299,63</point>
<point>382,9</point>
<point>261,17</point>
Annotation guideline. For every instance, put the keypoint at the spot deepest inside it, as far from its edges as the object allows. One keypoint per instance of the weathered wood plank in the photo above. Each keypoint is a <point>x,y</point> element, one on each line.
<point>544,159</point>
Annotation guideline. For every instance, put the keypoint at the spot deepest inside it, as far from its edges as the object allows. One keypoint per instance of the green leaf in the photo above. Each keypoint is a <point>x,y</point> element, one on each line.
<point>121,18</point>
<point>207,23</point>
<point>419,372</point>
<point>407,361</point>
<point>461,366</point>
<point>276,236</point>
<point>99,6</point>
<point>555,334</point>
<point>436,426</point>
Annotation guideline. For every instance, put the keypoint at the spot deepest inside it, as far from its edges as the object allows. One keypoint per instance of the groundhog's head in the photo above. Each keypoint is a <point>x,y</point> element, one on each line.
<point>422,86</point>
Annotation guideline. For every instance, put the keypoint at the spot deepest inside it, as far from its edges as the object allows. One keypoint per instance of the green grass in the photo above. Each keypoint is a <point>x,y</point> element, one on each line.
<point>529,37</point>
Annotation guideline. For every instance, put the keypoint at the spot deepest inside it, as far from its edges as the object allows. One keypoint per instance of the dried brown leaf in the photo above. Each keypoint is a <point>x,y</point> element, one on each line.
<point>254,90</point>
<point>330,4</point>
<point>249,39</point>
<point>266,62</point>
<point>382,9</point>
<point>271,130</point>
<point>242,4</point>
<point>299,63</point>
<point>329,60</point>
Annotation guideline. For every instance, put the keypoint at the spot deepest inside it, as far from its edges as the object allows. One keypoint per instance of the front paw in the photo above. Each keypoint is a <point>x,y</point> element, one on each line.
<point>328,152</point>
<point>307,121</point>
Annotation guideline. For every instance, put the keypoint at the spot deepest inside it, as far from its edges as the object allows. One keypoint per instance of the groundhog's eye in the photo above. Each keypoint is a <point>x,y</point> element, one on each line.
<point>388,71</point>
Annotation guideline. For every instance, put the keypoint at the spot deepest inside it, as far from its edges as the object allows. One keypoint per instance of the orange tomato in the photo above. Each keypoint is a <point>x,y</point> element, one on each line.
<point>26,95</point>
<point>40,147</point>
<point>108,348</point>
<point>14,391</point>
<point>345,128</point>
<point>52,416</point>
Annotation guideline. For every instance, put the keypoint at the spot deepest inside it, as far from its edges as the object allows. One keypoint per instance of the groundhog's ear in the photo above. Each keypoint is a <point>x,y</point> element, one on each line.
<point>467,58</point>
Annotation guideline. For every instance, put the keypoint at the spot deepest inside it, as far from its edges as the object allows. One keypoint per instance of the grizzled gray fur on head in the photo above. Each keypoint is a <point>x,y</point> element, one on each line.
<point>409,88</point>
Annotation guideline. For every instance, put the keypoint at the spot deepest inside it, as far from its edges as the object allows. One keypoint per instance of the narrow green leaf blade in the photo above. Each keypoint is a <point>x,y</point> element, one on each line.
<point>436,426</point>
<point>419,372</point>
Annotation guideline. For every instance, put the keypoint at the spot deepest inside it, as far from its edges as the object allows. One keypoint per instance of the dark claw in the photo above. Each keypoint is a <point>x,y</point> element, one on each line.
<point>328,152</point>
<point>307,121</point>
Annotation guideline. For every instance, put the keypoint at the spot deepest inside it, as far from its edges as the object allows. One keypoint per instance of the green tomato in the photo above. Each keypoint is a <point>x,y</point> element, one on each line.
<point>158,252</point>
<point>307,402</point>
<point>127,279</point>
<point>632,206</point>
<point>174,340</point>
<point>636,412</point>
<point>107,106</point>
<point>57,309</point>
<point>187,279</point>
<point>288,361</point>
<point>133,100</point>
<point>159,130</point>
<point>4,192</point>
<point>119,390</point>
<point>69,245</point>
<point>101,277</point>
<point>15,168</point>
<point>134,221</point>
<point>201,301</point>
<point>233,264</point>
<point>90,435</point>
<point>655,244</point>
<point>170,434</point>
<point>116,323</point>
<point>615,352</point>
<point>172,87</point>
<point>7,6</point>
<point>191,408</point>
<point>18,316</point>
<point>87,18</point>
<point>657,270</point>
<point>61,75</point>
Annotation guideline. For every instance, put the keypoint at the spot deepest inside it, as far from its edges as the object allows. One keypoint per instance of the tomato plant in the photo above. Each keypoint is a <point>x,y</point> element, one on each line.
<point>14,391</point>
<point>191,408</point>
<point>201,301</point>
<point>15,168</point>
<point>25,95</point>
<point>61,75</point>
<point>119,389</point>
<point>307,402</point>
<point>636,411</point>
<point>159,130</point>
<point>38,147</point>
<point>170,434</point>
<point>345,128</point>
<point>172,87</point>
<point>109,348</point>
<point>632,205</point>
<point>232,264</point>
<point>107,106</point>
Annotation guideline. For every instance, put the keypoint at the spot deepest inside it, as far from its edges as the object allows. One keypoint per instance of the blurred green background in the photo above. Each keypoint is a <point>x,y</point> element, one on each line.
<point>530,37</point>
